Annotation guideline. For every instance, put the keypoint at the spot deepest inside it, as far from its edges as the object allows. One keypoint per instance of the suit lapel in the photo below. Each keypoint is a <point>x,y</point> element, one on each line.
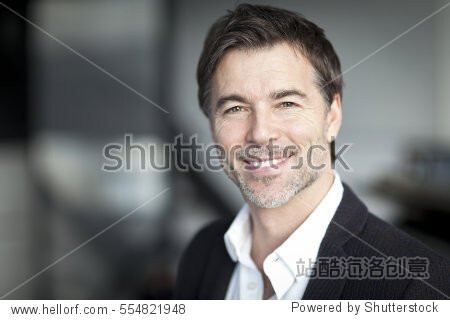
<point>321,289</point>
<point>347,223</point>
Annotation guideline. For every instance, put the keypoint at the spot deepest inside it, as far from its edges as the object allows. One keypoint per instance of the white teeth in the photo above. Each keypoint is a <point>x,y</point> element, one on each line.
<point>266,163</point>
<point>276,161</point>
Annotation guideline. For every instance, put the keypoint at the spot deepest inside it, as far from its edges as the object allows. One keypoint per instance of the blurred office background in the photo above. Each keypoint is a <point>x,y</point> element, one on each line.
<point>58,111</point>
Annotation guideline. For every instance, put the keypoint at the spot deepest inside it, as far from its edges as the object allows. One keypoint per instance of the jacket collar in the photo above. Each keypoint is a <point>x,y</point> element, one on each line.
<point>348,221</point>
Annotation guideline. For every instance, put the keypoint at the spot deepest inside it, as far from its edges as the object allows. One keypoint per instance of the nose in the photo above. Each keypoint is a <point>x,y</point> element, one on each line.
<point>262,128</point>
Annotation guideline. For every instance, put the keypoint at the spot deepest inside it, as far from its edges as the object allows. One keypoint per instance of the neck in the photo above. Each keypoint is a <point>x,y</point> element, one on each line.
<point>271,227</point>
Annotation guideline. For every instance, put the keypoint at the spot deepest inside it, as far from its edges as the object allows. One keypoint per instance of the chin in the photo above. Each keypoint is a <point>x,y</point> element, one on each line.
<point>265,201</point>
<point>267,196</point>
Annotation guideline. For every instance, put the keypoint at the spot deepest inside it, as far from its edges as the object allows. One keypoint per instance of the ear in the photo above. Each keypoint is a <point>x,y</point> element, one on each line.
<point>334,119</point>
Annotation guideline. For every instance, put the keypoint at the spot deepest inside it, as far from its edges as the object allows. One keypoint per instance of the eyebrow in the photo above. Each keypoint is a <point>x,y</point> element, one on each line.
<point>232,97</point>
<point>275,95</point>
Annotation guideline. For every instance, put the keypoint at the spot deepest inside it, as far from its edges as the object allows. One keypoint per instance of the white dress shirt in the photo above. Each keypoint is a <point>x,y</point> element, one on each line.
<point>280,266</point>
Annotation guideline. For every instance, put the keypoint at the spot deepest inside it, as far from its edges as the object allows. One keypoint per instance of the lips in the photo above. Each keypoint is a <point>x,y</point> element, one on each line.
<point>264,164</point>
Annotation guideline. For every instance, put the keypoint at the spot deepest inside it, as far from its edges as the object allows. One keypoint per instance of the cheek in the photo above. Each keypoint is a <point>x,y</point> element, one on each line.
<point>230,133</point>
<point>301,131</point>
<point>231,136</point>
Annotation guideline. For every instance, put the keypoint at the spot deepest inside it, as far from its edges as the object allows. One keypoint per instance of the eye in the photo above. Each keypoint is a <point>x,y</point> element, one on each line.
<point>288,104</point>
<point>234,109</point>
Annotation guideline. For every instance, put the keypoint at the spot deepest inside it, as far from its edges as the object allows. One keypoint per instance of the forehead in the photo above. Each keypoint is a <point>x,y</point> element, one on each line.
<point>257,72</point>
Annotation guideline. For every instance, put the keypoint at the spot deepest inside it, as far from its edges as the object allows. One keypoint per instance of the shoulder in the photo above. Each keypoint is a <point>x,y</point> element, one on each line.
<point>196,255</point>
<point>212,231</point>
<point>206,237</point>
<point>369,235</point>
<point>394,241</point>
<point>379,238</point>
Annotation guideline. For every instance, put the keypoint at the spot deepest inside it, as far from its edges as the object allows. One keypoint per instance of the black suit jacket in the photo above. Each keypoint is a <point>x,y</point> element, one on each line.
<point>205,269</point>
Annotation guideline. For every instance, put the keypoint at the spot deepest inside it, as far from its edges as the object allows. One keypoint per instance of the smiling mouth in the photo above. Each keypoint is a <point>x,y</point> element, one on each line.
<point>264,164</point>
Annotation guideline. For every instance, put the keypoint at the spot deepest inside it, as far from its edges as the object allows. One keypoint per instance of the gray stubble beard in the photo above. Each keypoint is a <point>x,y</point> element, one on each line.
<point>300,181</point>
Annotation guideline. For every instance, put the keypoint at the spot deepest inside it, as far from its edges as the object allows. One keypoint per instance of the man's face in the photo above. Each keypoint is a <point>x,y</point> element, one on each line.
<point>268,114</point>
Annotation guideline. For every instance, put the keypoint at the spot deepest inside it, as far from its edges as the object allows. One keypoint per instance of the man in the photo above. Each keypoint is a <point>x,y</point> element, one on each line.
<point>271,86</point>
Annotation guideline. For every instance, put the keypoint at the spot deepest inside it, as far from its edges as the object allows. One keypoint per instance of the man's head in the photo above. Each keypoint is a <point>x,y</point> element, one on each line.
<point>270,83</point>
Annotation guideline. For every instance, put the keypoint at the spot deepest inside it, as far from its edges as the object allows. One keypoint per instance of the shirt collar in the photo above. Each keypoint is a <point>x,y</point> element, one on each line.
<point>305,241</point>
<point>238,234</point>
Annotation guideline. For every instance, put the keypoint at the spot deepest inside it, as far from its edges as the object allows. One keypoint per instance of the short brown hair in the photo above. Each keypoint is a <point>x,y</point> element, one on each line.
<point>257,26</point>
